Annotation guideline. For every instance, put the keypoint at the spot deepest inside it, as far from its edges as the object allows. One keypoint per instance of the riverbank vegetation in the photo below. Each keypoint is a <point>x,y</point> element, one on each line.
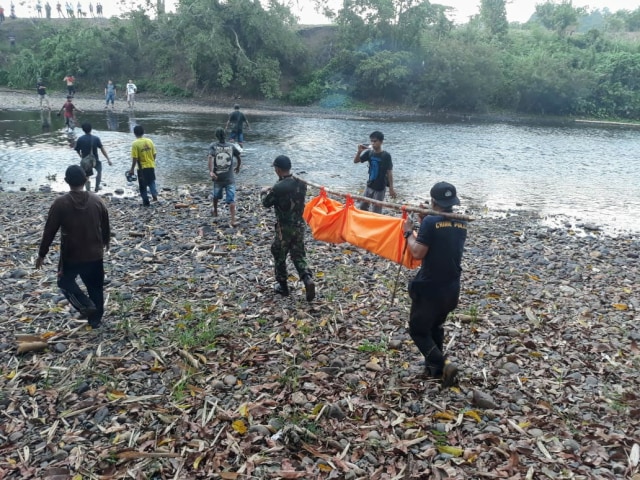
<point>563,61</point>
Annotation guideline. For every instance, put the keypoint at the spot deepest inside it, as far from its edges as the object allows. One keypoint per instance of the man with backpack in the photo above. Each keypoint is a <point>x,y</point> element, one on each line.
<point>221,169</point>
<point>87,145</point>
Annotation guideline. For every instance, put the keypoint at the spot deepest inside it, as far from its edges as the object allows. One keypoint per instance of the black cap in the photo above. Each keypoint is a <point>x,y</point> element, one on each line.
<point>444,194</point>
<point>75,176</point>
<point>282,162</point>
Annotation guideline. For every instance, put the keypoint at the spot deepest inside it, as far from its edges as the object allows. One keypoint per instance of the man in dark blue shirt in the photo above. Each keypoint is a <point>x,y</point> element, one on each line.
<point>87,144</point>
<point>435,289</point>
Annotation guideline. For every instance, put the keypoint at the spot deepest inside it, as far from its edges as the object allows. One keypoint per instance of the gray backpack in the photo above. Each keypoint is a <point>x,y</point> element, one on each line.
<point>88,162</point>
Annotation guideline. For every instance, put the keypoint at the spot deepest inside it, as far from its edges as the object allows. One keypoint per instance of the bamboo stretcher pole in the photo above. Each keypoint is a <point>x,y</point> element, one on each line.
<point>393,206</point>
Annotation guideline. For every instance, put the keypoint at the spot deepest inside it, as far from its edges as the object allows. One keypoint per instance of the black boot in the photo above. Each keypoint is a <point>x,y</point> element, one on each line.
<point>282,288</point>
<point>310,287</point>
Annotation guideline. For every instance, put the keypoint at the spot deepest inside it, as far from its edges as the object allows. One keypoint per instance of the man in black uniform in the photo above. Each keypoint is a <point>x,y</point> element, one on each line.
<point>435,289</point>
<point>287,197</point>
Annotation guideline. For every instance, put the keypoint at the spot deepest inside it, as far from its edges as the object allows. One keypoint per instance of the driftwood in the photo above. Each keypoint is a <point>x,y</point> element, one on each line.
<point>393,206</point>
<point>24,347</point>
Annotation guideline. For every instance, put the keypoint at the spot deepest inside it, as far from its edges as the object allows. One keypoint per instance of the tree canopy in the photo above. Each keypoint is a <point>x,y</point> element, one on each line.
<point>564,61</point>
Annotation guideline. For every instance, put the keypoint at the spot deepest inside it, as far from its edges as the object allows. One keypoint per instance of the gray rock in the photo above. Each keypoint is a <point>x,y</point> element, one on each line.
<point>230,380</point>
<point>511,367</point>
<point>260,430</point>
<point>101,414</point>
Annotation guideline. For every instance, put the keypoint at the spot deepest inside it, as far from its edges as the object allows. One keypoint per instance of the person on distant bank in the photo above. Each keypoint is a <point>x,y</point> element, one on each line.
<point>131,90</point>
<point>110,94</point>
<point>70,80</point>
<point>42,93</point>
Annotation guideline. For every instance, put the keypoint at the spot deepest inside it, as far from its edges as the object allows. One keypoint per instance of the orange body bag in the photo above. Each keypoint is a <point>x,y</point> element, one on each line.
<point>332,222</point>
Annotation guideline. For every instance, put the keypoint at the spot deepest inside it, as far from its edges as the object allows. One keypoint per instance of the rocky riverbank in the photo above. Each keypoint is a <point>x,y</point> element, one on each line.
<point>202,372</point>
<point>11,99</point>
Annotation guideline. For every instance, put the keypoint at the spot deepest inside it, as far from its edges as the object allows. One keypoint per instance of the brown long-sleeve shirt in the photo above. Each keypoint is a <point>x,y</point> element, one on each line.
<point>83,220</point>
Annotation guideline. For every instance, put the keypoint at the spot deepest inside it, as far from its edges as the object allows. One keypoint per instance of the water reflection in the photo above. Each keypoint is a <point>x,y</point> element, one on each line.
<point>112,120</point>
<point>591,173</point>
<point>45,119</point>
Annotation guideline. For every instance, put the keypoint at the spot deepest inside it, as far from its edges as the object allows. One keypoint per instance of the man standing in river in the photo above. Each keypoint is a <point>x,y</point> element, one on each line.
<point>435,289</point>
<point>380,171</point>
<point>237,121</point>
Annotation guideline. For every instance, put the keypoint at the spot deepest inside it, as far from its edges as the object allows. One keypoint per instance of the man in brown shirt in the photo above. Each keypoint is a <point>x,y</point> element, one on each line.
<point>83,220</point>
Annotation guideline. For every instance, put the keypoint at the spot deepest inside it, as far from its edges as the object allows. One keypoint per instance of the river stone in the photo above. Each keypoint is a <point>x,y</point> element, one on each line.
<point>373,367</point>
<point>19,273</point>
<point>571,444</point>
<point>101,414</point>
<point>511,367</point>
<point>298,398</point>
<point>230,380</point>
<point>483,400</point>
<point>373,435</point>
<point>535,432</point>
<point>260,430</point>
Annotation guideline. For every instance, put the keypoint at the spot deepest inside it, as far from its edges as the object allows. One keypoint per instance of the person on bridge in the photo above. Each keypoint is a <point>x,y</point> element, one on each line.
<point>47,10</point>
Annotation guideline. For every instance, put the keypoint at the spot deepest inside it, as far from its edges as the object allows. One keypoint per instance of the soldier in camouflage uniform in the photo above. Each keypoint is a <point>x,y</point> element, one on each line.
<point>287,197</point>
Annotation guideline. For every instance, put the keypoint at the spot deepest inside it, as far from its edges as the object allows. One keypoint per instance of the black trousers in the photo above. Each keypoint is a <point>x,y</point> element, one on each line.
<point>430,307</point>
<point>92,275</point>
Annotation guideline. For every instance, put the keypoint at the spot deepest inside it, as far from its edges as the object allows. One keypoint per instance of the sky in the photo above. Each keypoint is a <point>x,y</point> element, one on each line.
<point>517,10</point>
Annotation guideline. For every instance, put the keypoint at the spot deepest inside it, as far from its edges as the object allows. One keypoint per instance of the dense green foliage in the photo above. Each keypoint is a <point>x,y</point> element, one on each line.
<point>564,61</point>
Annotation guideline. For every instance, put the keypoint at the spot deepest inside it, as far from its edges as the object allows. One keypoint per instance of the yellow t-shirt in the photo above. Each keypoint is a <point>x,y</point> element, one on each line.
<point>144,152</point>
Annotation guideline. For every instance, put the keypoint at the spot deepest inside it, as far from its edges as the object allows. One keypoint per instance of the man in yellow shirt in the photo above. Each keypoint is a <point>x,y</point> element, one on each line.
<point>143,155</point>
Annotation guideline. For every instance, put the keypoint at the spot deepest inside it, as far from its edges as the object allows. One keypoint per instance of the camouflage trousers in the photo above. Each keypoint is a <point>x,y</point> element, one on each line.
<point>289,239</point>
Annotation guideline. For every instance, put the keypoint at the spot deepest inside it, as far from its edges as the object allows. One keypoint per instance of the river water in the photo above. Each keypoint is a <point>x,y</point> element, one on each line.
<point>587,173</point>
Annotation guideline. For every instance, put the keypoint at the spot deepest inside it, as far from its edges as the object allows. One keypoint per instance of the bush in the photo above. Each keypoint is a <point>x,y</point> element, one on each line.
<point>172,90</point>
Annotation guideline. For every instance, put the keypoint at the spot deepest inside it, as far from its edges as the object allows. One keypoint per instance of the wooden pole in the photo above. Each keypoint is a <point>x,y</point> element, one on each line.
<point>393,206</point>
